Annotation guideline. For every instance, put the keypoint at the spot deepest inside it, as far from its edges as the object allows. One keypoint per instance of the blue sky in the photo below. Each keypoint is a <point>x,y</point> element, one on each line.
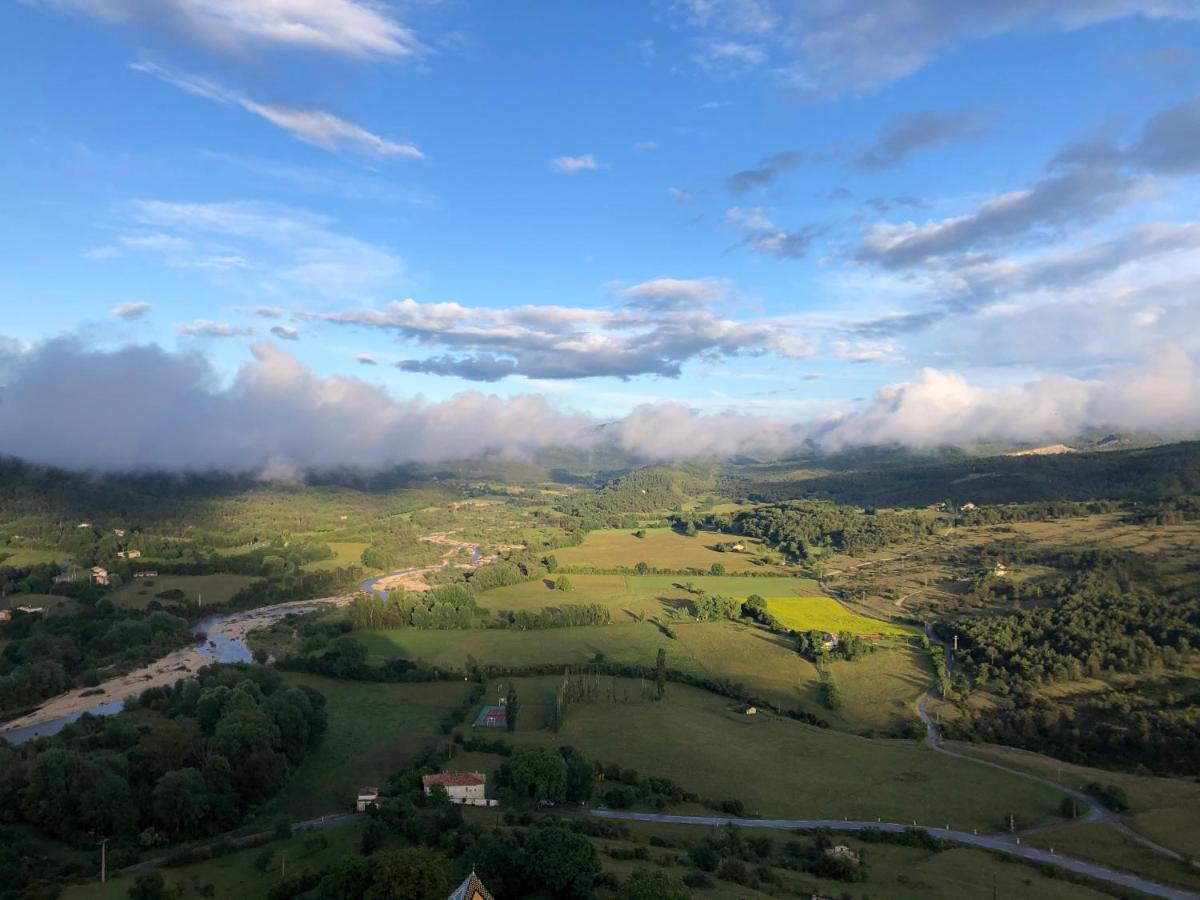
<point>865,218</point>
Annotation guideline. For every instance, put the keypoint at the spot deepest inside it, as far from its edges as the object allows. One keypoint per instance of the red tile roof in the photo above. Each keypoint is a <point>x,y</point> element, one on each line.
<point>454,779</point>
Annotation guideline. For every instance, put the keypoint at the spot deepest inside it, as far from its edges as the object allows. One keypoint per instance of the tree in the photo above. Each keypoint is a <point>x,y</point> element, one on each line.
<point>181,802</point>
<point>538,773</point>
<point>414,873</point>
<point>512,706</point>
<point>716,569</point>
<point>647,885</point>
<point>562,583</point>
<point>148,886</point>
<point>660,674</point>
<point>564,862</point>
<point>642,567</point>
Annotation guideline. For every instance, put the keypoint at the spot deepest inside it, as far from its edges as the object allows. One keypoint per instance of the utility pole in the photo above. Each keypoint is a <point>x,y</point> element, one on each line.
<point>104,861</point>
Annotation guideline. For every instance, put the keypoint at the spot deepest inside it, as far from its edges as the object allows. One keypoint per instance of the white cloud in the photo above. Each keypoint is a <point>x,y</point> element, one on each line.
<point>206,328</point>
<point>278,415</point>
<point>313,126</point>
<point>663,325</point>
<point>343,27</point>
<point>285,332</point>
<point>572,164</point>
<point>130,310</point>
<point>938,407</point>
<point>681,196</point>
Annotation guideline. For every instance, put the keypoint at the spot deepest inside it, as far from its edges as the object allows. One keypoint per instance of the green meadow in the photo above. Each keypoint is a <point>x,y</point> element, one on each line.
<point>664,548</point>
<point>782,768</point>
<point>213,590</point>
<point>826,614</point>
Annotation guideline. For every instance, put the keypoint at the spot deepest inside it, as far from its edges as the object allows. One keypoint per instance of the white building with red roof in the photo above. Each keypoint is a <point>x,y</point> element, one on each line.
<point>467,788</point>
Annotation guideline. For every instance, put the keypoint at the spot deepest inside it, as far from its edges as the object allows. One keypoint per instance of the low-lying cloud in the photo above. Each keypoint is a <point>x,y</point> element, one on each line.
<point>142,407</point>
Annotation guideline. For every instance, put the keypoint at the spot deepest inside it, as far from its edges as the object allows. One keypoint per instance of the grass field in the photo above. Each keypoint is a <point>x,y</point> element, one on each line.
<point>1107,846</point>
<point>779,767</point>
<point>635,643</point>
<point>345,553</point>
<point>729,586</point>
<point>826,614</point>
<point>30,556</point>
<point>662,548</point>
<point>215,590</point>
<point>46,601</point>
<point>234,877</point>
<point>1166,810</point>
<point>374,729</point>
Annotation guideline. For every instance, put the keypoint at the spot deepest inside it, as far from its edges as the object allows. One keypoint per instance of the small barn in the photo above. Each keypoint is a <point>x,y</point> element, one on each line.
<point>367,797</point>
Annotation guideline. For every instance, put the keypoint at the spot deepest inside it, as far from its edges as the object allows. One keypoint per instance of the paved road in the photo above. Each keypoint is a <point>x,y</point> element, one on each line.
<point>987,842</point>
<point>1097,813</point>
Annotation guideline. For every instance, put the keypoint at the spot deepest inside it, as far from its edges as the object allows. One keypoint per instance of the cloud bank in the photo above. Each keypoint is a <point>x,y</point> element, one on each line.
<point>142,407</point>
<point>342,27</point>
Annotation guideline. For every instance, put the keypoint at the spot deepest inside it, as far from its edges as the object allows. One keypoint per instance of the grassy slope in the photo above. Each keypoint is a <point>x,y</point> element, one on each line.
<point>779,767</point>
<point>374,729</point>
<point>1109,847</point>
<point>233,877</point>
<point>730,585</point>
<point>661,548</point>
<point>1164,809</point>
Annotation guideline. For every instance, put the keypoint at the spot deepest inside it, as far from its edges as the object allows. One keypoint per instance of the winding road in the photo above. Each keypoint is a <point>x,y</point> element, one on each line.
<point>987,842</point>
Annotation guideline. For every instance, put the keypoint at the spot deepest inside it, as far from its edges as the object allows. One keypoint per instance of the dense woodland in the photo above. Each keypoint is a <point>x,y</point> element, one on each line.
<point>1100,625</point>
<point>191,761</point>
<point>798,527</point>
<point>881,478</point>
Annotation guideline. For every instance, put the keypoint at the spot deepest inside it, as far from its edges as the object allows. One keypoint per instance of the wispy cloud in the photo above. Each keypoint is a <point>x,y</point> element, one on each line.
<point>572,164</point>
<point>680,195</point>
<point>130,311</point>
<point>206,328</point>
<point>764,236</point>
<point>848,46</point>
<point>344,27</point>
<point>285,332</point>
<point>258,248</point>
<point>313,126</point>
<point>905,134</point>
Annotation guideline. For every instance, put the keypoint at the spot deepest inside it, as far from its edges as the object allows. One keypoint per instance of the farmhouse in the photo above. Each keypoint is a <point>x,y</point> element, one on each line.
<point>99,575</point>
<point>841,851</point>
<point>967,507</point>
<point>5,615</point>
<point>750,710</point>
<point>471,889</point>
<point>129,554</point>
<point>119,532</point>
<point>829,640</point>
<point>30,610</point>
<point>999,570</point>
<point>149,573</point>
<point>466,788</point>
<point>367,796</point>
